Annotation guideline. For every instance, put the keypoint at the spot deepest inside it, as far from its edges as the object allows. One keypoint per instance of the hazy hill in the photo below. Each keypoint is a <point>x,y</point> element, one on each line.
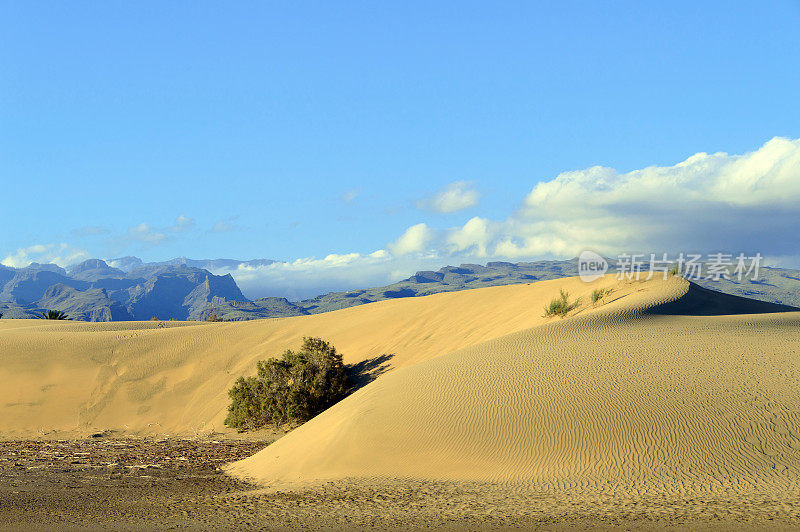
<point>93,270</point>
<point>29,285</point>
<point>265,307</point>
<point>93,304</point>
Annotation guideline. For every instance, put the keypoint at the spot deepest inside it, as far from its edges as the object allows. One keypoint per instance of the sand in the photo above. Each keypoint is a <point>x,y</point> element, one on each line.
<point>612,400</point>
<point>663,394</point>
<point>171,378</point>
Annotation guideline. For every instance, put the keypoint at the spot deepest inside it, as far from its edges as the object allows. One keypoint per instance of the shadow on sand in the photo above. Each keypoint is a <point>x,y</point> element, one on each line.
<point>699,301</point>
<point>368,370</point>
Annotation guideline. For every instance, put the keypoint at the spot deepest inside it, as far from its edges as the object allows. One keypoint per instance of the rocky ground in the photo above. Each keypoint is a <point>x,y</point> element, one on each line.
<point>113,483</point>
<point>146,484</point>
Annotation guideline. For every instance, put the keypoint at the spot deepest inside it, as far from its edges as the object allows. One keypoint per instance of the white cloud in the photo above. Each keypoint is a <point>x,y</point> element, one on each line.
<point>709,202</point>
<point>182,223</point>
<point>60,254</point>
<point>309,277</point>
<point>414,240</point>
<point>474,237</point>
<point>149,235</point>
<point>350,195</point>
<point>146,234</point>
<point>454,197</point>
<point>705,203</point>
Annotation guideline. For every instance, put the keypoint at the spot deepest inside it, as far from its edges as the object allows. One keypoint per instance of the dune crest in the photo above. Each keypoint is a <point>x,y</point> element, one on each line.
<point>614,399</point>
<point>71,378</point>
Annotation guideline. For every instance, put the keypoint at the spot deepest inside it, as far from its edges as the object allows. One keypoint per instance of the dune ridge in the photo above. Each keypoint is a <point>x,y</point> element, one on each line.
<point>71,378</point>
<point>623,399</point>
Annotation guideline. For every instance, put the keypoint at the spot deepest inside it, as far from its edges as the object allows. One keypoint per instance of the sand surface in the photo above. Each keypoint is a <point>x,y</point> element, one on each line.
<point>663,397</point>
<point>614,400</point>
<point>171,378</point>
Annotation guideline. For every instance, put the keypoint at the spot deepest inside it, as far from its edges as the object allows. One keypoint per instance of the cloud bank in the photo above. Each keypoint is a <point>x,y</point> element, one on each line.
<point>708,202</point>
<point>309,277</point>
<point>61,254</point>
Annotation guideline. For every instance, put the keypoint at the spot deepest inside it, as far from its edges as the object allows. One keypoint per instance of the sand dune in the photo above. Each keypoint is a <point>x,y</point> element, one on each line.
<point>149,378</point>
<point>614,400</point>
<point>660,388</point>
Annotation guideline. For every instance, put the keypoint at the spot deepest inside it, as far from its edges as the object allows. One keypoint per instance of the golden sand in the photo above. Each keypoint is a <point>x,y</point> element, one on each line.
<point>621,397</point>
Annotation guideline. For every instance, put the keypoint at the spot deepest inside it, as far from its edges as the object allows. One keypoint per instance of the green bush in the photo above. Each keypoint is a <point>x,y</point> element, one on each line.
<point>560,306</point>
<point>598,294</point>
<point>290,389</point>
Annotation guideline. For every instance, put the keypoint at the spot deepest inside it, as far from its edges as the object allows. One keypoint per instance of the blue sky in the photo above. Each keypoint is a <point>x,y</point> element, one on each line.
<point>300,130</point>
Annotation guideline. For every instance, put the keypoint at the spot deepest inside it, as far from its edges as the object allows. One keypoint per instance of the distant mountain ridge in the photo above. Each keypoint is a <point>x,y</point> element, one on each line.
<point>129,289</point>
<point>95,291</point>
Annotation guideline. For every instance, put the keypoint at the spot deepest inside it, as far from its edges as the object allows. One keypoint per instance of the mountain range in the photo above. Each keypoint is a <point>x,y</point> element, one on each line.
<point>130,289</point>
<point>95,291</point>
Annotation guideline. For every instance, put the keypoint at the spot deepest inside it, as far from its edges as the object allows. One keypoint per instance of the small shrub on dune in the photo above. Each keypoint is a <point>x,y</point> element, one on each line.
<point>290,389</point>
<point>560,306</point>
<point>675,270</point>
<point>598,294</point>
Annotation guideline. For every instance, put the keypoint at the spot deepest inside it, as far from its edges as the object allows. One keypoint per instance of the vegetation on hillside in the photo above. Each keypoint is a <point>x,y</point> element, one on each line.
<point>560,305</point>
<point>54,315</point>
<point>289,389</point>
<point>599,294</point>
